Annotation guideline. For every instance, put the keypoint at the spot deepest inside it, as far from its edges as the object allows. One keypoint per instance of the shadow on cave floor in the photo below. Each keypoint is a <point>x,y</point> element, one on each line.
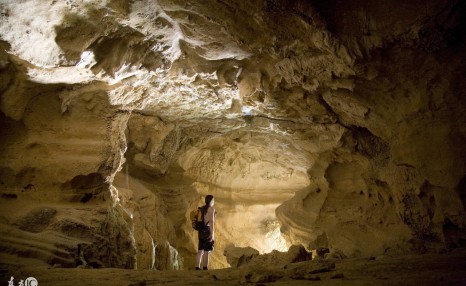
<point>429,269</point>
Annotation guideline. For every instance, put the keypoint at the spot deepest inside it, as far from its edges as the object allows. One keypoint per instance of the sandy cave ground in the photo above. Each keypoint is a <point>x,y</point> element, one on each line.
<point>326,124</point>
<point>447,268</point>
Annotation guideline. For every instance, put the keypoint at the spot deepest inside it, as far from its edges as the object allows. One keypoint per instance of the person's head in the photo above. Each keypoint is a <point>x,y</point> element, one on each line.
<point>209,200</point>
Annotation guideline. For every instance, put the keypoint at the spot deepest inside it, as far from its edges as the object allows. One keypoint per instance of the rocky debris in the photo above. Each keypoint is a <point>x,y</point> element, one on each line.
<point>259,278</point>
<point>310,270</point>
<point>167,257</point>
<point>310,267</point>
<point>237,256</point>
<point>321,251</point>
<point>338,276</point>
<point>9,196</point>
<point>350,124</point>
<point>438,269</point>
<point>275,259</point>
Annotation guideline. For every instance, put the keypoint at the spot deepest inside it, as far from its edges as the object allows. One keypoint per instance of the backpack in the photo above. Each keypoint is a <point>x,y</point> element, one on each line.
<point>197,218</point>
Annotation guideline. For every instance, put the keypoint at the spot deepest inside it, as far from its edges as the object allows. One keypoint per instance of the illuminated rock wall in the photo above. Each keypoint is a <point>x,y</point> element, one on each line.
<point>337,125</point>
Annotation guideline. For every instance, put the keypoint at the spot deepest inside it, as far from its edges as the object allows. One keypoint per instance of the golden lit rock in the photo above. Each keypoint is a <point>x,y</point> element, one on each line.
<point>315,125</point>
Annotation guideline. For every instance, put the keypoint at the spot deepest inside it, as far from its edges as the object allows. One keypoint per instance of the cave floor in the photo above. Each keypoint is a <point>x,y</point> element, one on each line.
<point>430,269</point>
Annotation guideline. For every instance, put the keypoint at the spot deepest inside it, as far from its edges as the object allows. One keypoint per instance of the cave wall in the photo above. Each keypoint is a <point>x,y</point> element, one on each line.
<point>57,153</point>
<point>336,125</point>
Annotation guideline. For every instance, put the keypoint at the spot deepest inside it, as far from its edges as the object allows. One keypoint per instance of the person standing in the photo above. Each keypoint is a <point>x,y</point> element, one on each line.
<point>206,245</point>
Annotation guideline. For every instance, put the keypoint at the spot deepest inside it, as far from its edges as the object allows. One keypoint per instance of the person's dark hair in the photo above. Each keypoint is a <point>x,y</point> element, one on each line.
<point>208,199</point>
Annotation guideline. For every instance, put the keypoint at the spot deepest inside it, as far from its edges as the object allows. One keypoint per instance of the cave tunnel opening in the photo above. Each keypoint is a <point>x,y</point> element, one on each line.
<point>250,174</point>
<point>332,127</point>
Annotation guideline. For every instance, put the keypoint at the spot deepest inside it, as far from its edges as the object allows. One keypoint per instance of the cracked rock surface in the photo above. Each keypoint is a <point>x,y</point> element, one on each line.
<point>322,124</point>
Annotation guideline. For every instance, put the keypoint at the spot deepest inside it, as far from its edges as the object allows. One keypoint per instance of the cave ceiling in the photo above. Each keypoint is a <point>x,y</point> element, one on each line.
<point>325,115</point>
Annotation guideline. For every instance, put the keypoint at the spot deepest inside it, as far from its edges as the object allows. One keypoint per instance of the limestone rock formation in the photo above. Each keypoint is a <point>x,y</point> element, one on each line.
<point>237,256</point>
<point>250,258</point>
<point>327,124</point>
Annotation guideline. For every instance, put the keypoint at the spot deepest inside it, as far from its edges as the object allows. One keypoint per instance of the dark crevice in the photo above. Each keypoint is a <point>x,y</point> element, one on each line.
<point>427,197</point>
<point>90,181</point>
<point>453,234</point>
<point>405,165</point>
<point>462,190</point>
<point>331,112</point>
<point>362,141</point>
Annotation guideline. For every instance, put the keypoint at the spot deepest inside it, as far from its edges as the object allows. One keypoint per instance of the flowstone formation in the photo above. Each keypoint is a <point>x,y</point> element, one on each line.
<point>331,125</point>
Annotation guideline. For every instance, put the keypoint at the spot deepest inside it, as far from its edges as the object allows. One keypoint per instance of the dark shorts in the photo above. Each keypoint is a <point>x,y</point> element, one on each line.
<point>204,244</point>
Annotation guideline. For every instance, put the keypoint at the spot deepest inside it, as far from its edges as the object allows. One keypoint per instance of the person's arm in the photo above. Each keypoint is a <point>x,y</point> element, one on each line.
<point>211,221</point>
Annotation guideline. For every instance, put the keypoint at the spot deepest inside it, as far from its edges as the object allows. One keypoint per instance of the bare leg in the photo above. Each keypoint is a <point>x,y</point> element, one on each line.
<point>205,259</point>
<point>198,258</point>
